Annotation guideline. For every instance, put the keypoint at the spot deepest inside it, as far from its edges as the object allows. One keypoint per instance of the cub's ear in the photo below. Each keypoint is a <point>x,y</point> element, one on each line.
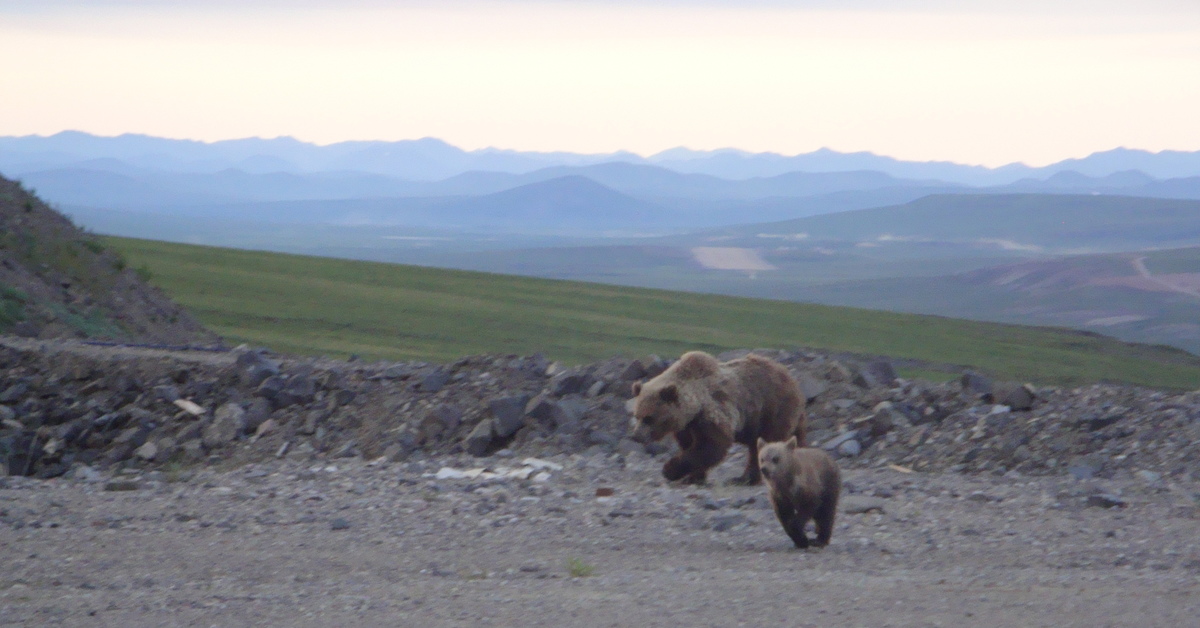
<point>761,443</point>
<point>637,388</point>
<point>792,444</point>
<point>669,394</point>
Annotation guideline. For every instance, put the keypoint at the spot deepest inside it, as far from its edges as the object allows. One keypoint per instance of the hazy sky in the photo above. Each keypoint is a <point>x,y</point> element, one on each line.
<point>997,82</point>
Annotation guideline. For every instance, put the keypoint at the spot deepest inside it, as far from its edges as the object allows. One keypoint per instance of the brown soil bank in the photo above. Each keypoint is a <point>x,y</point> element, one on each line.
<point>58,281</point>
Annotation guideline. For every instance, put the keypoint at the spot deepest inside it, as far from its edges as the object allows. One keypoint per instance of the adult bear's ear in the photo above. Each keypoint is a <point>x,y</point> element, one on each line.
<point>669,394</point>
<point>637,388</point>
<point>761,443</point>
<point>792,443</point>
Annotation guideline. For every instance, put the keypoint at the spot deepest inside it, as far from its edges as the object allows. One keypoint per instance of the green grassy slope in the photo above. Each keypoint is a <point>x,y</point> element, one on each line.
<point>337,307</point>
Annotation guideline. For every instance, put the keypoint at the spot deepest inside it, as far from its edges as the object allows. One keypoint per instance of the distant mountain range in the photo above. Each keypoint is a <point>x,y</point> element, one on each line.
<point>430,159</point>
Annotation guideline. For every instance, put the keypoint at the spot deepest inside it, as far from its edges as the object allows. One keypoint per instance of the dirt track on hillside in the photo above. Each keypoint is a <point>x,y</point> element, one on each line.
<point>307,543</point>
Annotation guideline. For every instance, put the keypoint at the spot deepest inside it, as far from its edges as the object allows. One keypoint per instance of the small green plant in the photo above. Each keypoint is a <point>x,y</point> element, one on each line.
<point>143,273</point>
<point>175,471</point>
<point>12,306</point>
<point>579,569</point>
<point>94,246</point>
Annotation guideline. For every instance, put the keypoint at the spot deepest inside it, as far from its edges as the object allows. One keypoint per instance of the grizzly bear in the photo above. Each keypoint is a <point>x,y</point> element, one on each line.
<point>804,484</point>
<point>708,405</point>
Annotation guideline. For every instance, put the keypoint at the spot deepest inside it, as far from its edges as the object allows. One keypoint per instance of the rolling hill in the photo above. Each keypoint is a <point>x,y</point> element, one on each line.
<point>1045,222</point>
<point>1150,296</point>
<point>337,307</point>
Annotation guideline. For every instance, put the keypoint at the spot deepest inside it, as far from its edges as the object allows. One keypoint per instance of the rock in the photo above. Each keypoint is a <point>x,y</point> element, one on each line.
<point>14,392</point>
<point>312,421</point>
<point>440,419</point>
<point>339,524</point>
<point>7,414</point>
<point>228,422</point>
<point>167,393</point>
<point>189,407</point>
<point>876,374</point>
<point>859,504</point>
<point>434,381</point>
<point>1149,477</point>
<point>849,448</point>
<point>258,410</point>
<point>122,485</point>
<point>881,421</point>
<point>835,442</point>
<point>270,387</point>
<point>397,371</point>
<point>85,473</point>
<point>632,372</point>
<point>298,389</point>
<point>563,416</point>
<point>724,523</point>
<point>509,413</point>
<point>1016,396</point>
<point>480,439</point>
<point>26,329</point>
<point>1082,471</point>
<point>567,384</point>
<point>343,397</point>
<point>349,449</point>
<point>843,404</point>
<point>1105,500</point>
<point>257,373</point>
<point>133,436</point>
<point>810,386</point>
<point>654,366</point>
<point>193,449</point>
<point>19,452</point>
<point>148,451</point>
<point>975,383</point>
<point>264,428</point>
<point>597,388</point>
<point>1098,422</point>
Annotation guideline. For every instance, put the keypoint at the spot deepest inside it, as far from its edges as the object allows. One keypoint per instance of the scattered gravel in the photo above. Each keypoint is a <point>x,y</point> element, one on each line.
<point>318,492</point>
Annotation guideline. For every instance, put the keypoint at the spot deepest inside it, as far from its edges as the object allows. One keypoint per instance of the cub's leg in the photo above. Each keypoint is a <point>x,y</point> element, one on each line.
<point>823,518</point>
<point>792,524</point>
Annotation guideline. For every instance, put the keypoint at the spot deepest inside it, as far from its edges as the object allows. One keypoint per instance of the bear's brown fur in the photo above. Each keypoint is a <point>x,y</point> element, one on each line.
<point>709,405</point>
<point>804,484</point>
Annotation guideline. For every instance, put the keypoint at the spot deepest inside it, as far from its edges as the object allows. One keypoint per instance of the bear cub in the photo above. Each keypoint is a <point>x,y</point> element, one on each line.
<point>804,484</point>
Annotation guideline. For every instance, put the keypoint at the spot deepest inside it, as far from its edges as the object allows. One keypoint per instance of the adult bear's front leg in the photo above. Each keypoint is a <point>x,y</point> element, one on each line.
<point>708,446</point>
<point>753,474</point>
<point>680,465</point>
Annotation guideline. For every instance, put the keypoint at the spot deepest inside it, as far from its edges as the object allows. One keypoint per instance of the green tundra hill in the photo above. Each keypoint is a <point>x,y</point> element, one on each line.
<point>333,307</point>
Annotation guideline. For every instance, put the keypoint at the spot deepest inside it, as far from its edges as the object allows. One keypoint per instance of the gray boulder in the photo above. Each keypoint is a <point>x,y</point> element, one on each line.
<point>479,440</point>
<point>228,422</point>
<point>509,414</point>
<point>876,374</point>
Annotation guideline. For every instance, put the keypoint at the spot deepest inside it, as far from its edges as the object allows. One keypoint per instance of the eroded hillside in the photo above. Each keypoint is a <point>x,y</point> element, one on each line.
<point>59,281</point>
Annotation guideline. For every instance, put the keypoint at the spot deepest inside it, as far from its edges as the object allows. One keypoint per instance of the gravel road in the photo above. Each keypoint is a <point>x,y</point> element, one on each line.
<point>297,542</point>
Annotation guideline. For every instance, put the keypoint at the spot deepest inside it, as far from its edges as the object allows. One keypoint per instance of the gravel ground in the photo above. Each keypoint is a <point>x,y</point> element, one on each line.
<point>601,541</point>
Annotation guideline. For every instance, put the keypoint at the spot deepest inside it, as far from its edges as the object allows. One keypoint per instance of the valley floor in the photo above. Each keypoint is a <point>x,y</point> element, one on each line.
<point>305,542</point>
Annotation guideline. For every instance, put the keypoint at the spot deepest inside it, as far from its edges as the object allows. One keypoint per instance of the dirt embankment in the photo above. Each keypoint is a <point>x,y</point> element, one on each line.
<point>58,281</point>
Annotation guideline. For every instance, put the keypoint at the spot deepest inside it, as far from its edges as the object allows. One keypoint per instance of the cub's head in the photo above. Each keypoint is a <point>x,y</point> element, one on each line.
<point>776,459</point>
<point>657,411</point>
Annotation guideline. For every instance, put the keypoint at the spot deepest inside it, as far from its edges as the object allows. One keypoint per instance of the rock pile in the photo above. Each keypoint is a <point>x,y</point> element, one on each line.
<point>62,409</point>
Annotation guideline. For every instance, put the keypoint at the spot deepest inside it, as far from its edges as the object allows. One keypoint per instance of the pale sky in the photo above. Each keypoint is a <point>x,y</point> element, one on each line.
<point>998,82</point>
